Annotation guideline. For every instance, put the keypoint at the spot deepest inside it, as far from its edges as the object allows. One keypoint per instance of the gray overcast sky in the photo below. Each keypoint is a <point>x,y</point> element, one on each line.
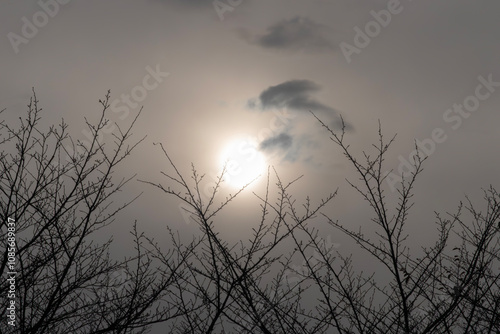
<point>232,68</point>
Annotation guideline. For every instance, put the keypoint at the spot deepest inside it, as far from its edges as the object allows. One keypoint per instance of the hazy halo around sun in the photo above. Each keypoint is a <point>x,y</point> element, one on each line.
<point>243,161</point>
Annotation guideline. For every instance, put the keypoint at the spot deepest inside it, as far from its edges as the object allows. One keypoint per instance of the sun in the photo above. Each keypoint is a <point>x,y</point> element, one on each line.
<point>243,161</point>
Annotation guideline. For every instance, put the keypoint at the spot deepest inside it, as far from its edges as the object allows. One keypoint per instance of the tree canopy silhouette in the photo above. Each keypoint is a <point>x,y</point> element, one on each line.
<point>60,193</point>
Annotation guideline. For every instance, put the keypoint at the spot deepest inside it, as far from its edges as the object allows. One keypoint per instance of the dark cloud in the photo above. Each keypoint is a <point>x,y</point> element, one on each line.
<point>293,94</point>
<point>283,141</point>
<point>297,95</point>
<point>295,142</point>
<point>298,33</point>
<point>289,147</point>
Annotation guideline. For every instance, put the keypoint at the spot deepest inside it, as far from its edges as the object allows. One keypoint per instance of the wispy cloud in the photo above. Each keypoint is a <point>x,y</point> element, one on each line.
<point>296,96</point>
<point>298,33</point>
<point>282,141</point>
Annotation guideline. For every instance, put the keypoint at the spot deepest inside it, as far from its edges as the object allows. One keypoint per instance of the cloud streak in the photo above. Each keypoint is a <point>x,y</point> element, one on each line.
<point>282,141</point>
<point>294,95</point>
<point>298,33</point>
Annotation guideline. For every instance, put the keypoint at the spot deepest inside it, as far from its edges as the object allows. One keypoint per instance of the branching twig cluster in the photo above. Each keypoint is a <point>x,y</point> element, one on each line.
<point>61,192</point>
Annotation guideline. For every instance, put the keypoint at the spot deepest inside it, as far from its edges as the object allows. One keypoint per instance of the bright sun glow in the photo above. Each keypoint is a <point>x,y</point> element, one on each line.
<point>243,162</point>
